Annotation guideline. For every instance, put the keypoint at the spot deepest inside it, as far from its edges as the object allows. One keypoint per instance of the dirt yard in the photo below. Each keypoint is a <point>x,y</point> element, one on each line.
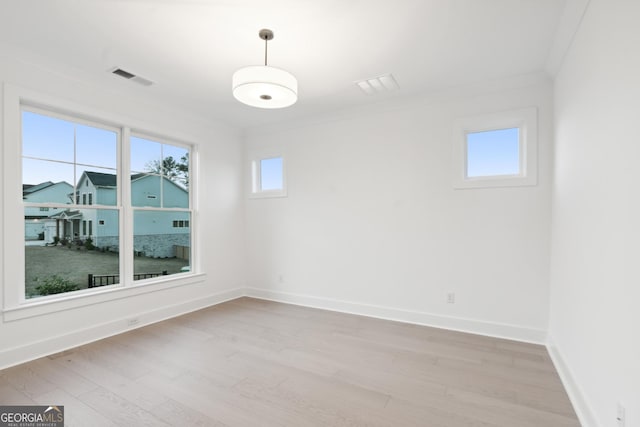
<point>75,265</point>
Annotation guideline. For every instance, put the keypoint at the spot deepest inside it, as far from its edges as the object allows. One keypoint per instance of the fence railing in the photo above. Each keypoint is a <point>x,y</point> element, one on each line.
<point>96,280</point>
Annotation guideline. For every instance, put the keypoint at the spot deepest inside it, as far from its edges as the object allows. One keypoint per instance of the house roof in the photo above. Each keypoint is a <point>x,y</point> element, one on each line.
<point>67,214</point>
<point>30,188</point>
<point>100,179</point>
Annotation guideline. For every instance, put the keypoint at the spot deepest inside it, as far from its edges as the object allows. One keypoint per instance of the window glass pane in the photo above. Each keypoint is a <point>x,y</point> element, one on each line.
<point>46,137</point>
<point>176,164</point>
<point>271,174</point>
<point>63,253</point>
<point>145,190</point>
<point>145,155</point>
<point>44,181</point>
<point>159,247</point>
<point>493,153</point>
<point>99,185</point>
<point>96,147</point>
<point>174,195</point>
<point>160,174</point>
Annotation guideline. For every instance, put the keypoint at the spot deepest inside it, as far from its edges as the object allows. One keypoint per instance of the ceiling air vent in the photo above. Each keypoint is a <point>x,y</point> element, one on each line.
<point>130,76</point>
<point>378,84</point>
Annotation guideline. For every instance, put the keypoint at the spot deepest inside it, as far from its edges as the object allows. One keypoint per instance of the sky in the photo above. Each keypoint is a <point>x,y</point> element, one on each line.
<point>271,174</point>
<point>494,152</point>
<point>95,149</point>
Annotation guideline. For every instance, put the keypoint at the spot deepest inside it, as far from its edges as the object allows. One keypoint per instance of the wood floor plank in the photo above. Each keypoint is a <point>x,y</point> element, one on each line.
<point>91,368</point>
<point>9,395</point>
<point>120,411</point>
<point>251,362</point>
<point>26,379</point>
<point>70,381</point>
<point>77,413</point>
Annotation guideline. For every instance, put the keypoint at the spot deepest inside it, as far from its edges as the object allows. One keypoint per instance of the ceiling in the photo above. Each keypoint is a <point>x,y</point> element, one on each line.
<point>190,48</point>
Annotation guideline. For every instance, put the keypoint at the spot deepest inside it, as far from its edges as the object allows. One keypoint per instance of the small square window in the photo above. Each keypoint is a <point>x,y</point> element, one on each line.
<point>493,153</point>
<point>496,150</point>
<point>268,176</point>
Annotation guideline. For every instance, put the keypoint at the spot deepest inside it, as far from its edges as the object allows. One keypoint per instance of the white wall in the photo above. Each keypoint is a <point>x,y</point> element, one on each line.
<point>595,292</point>
<point>373,225</point>
<point>220,218</point>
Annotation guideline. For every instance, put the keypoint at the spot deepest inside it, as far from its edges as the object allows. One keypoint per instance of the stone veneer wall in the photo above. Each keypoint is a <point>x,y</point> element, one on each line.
<point>152,245</point>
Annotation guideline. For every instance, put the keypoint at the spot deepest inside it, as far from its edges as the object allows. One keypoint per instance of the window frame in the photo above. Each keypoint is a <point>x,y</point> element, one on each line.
<point>525,120</point>
<point>254,163</point>
<point>15,305</point>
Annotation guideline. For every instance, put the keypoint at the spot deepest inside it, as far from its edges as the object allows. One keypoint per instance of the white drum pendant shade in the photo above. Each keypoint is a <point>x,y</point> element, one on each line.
<point>265,87</point>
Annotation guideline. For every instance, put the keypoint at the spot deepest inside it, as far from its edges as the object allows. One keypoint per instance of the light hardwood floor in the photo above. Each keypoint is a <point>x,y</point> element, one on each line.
<point>250,362</point>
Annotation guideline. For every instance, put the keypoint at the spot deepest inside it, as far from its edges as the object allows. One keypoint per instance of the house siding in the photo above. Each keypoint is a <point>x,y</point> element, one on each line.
<point>55,193</point>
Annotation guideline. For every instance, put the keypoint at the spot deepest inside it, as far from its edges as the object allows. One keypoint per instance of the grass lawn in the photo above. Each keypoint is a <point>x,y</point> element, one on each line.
<point>75,265</point>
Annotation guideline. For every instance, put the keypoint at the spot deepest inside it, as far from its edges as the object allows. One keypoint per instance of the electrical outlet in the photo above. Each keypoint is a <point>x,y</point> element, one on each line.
<point>133,322</point>
<point>621,415</point>
<point>451,298</point>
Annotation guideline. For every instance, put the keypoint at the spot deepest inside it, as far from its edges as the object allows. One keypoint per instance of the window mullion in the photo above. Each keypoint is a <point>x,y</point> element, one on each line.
<point>126,224</point>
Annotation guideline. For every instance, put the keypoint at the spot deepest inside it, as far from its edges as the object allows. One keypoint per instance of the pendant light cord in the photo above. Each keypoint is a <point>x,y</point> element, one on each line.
<point>265,51</point>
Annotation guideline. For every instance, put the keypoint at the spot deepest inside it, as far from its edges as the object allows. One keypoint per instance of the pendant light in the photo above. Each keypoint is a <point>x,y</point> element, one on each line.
<point>263,86</point>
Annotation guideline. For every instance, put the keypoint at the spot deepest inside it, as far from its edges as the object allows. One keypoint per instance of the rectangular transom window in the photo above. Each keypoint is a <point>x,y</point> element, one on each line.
<point>496,150</point>
<point>268,177</point>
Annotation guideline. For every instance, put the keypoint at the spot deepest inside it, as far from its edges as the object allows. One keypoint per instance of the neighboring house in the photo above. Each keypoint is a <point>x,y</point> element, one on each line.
<point>157,233</point>
<point>35,218</point>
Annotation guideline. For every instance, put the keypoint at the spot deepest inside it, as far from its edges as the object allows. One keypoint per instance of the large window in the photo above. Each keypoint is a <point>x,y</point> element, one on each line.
<point>76,217</point>
<point>496,150</point>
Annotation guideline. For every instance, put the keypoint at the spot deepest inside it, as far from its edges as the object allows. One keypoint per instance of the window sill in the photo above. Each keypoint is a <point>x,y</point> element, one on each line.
<point>495,182</point>
<point>268,194</point>
<point>41,307</point>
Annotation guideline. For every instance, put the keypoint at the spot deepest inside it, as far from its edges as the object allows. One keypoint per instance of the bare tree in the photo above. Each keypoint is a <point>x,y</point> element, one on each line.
<point>176,171</point>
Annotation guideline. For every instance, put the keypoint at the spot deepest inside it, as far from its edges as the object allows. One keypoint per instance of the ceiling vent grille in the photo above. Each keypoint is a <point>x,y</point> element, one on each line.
<point>130,76</point>
<point>380,84</point>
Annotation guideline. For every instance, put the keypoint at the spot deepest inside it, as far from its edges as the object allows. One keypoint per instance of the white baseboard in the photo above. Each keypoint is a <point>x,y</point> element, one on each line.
<point>16,355</point>
<point>499,330</point>
<point>577,397</point>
